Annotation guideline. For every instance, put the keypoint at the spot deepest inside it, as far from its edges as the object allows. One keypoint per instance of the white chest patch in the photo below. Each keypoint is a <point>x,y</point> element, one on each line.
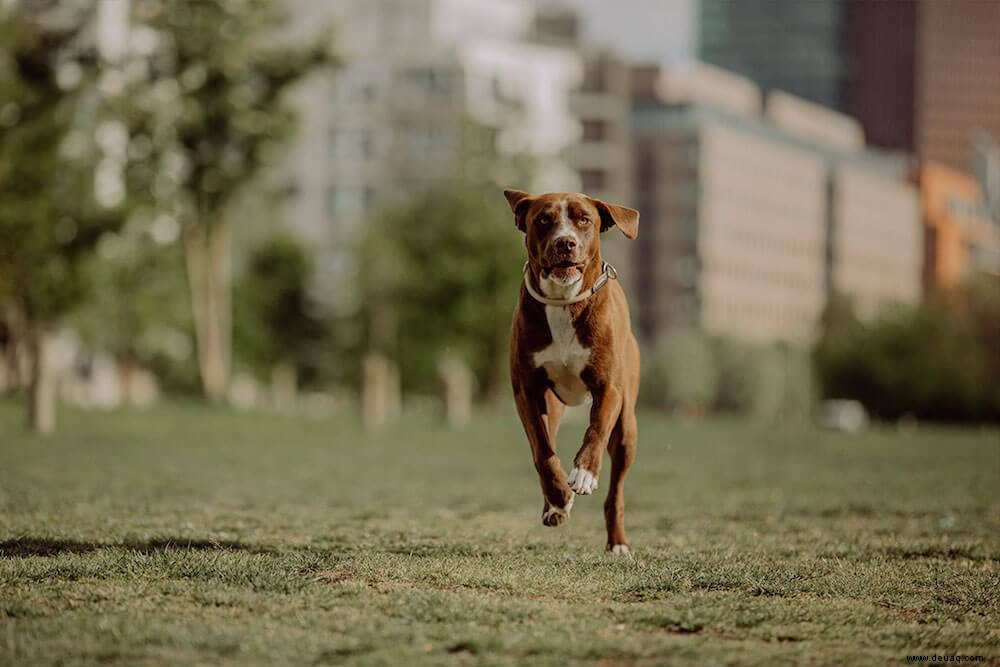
<point>564,359</point>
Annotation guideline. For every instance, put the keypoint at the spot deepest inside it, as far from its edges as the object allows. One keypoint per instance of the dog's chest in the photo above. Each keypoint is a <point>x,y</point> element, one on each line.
<point>565,358</point>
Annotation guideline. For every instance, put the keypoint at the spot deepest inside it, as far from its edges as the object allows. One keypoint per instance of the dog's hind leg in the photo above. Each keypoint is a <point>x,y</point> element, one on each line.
<point>621,447</point>
<point>553,414</point>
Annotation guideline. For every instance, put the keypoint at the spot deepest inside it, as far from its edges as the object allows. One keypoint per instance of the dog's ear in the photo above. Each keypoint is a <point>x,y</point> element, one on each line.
<point>626,219</point>
<point>519,203</point>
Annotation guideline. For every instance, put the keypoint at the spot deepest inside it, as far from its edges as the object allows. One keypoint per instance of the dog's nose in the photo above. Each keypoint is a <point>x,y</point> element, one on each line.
<point>565,244</point>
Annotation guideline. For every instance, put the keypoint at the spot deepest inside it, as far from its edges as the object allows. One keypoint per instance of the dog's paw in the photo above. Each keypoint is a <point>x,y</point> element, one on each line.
<point>553,516</point>
<point>620,550</point>
<point>582,481</point>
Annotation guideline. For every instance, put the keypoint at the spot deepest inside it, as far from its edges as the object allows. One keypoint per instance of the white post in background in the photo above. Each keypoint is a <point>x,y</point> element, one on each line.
<point>380,392</point>
<point>458,386</point>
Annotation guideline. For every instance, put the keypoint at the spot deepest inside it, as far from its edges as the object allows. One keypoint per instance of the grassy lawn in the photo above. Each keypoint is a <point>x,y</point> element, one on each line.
<point>188,535</point>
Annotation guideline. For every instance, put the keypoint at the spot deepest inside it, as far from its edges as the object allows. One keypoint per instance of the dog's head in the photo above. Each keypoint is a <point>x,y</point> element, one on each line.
<point>563,230</point>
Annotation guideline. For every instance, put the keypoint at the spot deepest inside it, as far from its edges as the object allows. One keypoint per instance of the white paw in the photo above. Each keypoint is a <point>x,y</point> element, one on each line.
<point>553,512</point>
<point>621,550</point>
<point>582,481</point>
<point>556,516</point>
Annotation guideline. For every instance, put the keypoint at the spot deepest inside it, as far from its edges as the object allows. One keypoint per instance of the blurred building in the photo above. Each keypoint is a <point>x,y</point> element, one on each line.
<point>961,240</point>
<point>925,76</point>
<point>786,45</point>
<point>875,241</point>
<point>427,90</point>
<point>603,154</point>
<point>754,214</point>
<point>920,75</point>
<point>601,103</point>
<point>734,229</point>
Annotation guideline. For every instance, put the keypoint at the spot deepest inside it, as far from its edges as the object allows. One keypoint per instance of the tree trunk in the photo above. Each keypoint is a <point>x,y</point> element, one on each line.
<point>42,390</point>
<point>13,350</point>
<point>220,256</point>
<point>208,265</point>
<point>127,367</point>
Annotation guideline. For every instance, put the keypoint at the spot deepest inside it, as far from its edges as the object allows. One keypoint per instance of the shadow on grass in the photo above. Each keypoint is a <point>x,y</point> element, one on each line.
<point>25,547</point>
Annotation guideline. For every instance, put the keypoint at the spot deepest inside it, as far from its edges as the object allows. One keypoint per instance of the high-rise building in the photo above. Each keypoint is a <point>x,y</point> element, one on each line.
<point>755,214</point>
<point>920,75</point>
<point>787,45</point>
<point>601,155</point>
<point>875,241</point>
<point>734,230</point>
<point>421,86</point>
<point>925,76</point>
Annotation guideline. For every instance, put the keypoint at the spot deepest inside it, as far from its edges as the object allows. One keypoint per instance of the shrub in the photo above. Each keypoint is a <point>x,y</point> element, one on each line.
<point>275,319</point>
<point>768,382</point>
<point>922,361</point>
<point>695,372</point>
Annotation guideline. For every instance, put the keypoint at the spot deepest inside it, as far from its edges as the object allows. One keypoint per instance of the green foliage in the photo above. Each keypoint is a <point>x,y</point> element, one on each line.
<point>275,320</point>
<point>214,110</point>
<point>140,313</point>
<point>49,111</point>
<point>681,371</point>
<point>440,275</point>
<point>782,386</point>
<point>737,371</point>
<point>977,302</point>
<point>696,372</point>
<point>923,361</point>
<point>215,95</point>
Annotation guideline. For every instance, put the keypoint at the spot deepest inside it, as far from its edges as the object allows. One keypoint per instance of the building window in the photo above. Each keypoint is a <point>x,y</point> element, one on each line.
<point>593,179</point>
<point>595,130</point>
<point>594,77</point>
<point>347,200</point>
<point>428,138</point>
<point>356,85</point>
<point>432,80</point>
<point>647,173</point>
<point>351,143</point>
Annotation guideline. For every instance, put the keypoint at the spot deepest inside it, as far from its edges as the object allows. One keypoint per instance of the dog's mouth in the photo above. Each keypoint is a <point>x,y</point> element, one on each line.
<point>566,270</point>
<point>567,264</point>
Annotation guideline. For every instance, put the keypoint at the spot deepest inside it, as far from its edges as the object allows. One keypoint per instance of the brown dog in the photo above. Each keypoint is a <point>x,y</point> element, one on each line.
<point>571,341</point>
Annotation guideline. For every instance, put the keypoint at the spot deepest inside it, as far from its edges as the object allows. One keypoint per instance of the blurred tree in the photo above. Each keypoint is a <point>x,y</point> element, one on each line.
<point>737,371</point>
<point>923,361</point>
<point>277,321</point>
<point>682,372</point>
<point>694,371</point>
<point>440,275</point>
<point>978,303</point>
<point>51,213</point>
<point>218,71</point>
<point>141,313</point>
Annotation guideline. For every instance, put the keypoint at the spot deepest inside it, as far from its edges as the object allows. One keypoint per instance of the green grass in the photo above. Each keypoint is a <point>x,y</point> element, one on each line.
<point>188,535</point>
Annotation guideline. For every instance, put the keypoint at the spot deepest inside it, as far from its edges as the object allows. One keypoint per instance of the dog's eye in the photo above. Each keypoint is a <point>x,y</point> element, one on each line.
<point>543,219</point>
<point>584,221</point>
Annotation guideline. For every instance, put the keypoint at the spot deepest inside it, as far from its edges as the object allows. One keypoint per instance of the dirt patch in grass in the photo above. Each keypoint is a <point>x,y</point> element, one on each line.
<point>939,552</point>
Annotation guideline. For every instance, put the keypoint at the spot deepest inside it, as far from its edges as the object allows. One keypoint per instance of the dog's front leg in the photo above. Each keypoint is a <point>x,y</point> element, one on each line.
<point>531,407</point>
<point>587,464</point>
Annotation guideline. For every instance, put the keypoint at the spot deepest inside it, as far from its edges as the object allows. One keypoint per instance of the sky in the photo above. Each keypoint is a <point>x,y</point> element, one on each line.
<point>661,31</point>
